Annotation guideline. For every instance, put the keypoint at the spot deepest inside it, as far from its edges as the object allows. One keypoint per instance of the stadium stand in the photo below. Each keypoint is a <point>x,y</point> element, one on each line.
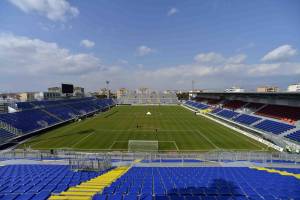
<point>267,125</point>
<point>227,114</point>
<point>29,120</point>
<point>37,115</point>
<point>86,190</point>
<point>197,105</point>
<point>247,119</point>
<point>37,182</point>
<point>216,110</point>
<point>285,113</point>
<point>24,105</point>
<point>254,106</point>
<point>213,101</point>
<point>294,136</point>
<point>5,135</point>
<point>198,183</point>
<point>62,112</point>
<point>234,104</point>
<point>274,127</point>
<point>149,97</point>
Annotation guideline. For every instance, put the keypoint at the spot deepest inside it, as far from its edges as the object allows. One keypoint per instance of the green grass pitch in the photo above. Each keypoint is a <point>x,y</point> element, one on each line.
<point>178,129</point>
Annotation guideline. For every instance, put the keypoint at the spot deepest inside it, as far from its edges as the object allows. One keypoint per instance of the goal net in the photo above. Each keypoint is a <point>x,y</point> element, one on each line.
<point>142,145</point>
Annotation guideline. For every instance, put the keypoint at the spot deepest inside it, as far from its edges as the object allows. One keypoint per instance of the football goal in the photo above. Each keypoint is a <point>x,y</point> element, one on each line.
<point>142,145</point>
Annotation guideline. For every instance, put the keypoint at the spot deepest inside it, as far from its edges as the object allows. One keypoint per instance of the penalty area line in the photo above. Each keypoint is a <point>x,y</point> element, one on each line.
<point>83,139</point>
<point>175,144</point>
<point>207,139</point>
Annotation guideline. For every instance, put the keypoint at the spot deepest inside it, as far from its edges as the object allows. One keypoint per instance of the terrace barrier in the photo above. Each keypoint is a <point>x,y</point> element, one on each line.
<point>110,157</point>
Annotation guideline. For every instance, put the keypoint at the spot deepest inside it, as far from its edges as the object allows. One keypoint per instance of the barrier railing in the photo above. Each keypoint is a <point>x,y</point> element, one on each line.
<point>216,156</point>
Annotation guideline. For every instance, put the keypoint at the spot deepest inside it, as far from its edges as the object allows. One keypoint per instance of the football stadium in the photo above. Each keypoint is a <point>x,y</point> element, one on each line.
<point>140,100</point>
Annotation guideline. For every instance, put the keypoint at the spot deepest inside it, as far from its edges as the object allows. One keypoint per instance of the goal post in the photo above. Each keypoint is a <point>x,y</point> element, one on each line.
<point>142,146</point>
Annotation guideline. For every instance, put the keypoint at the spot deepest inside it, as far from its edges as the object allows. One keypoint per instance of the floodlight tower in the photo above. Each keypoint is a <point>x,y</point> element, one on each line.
<point>107,88</point>
<point>193,84</point>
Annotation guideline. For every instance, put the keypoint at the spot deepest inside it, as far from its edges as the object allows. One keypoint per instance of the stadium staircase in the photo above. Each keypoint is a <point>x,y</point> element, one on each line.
<point>289,132</point>
<point>55,116</point>
<point>260,108</point>
<point>281,172</point>
<point>196,183</point>
<point>295,136</point>
<point>86,190</point>
<point>257,122</point>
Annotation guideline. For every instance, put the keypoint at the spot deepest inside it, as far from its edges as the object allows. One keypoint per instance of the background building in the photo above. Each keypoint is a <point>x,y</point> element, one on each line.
<point>235,89</point>
<point>267,89</point>
<point>78,91</point>
<point>122,92</point>
<point>47,95</point>
<point>294,88</point>
<point>26,96</point>
<point>55,89</point>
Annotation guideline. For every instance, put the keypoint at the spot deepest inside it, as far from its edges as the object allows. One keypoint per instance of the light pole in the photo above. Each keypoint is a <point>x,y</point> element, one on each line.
<point>107,88</point>
<point>193,84</point>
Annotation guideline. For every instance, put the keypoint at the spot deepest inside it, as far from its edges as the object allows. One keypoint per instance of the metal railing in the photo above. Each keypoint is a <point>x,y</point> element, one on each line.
<point>108,157</point>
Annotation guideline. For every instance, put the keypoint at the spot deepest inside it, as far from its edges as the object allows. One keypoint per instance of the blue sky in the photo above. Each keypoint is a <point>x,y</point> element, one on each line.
<point>156,44</point>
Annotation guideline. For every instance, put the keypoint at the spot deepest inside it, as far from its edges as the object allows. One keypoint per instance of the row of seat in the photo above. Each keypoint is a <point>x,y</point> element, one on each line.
<point>43,114</point>
<point>5,135</point>
<point>37,182</point>
<point>274,126</point>
<point>29,120</point>
<point>227,113</point>
<point>197,105</point>
<point>280,112</point>
<point>286,113</point>
<point>294,136</point>
<point>246,119</point>
<point>234,104</point>
<point>214,183</point>
<point>266,125</point>
<point>88,189</point>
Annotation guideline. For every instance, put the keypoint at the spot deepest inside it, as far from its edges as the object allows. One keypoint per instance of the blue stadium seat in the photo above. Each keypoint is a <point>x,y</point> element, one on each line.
<point>274,126</point>
<point>29,120</point>
<point>197,105</point>
<point>62,111</point>
<point>5,135</point>
<point>294,136</point>
<point>246,119</point>
<point>198,183</point>
<point>38,115</point>
<point>227,114</point>
<point>37,182</point>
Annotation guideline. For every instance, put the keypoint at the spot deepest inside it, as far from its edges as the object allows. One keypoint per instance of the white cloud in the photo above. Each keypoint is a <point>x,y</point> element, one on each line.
<point>36,65</point>
<point>144,50</point>
<point>55,10</point>
<point>210,57</point>
<point>217,58</point>
<point>237,59</point>
<point>282,53</point>
<point>87,43</point>
<point>22,55</point>
<point>172,11</point>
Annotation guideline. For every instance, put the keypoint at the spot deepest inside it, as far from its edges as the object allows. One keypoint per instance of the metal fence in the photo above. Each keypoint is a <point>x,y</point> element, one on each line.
<point>108,157</point>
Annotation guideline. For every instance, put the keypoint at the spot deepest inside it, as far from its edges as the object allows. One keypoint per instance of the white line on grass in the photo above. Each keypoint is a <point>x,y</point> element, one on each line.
<point>82,139</point>
<point>203,135</point>
<point>112,144</point>
<point>176,145</point>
